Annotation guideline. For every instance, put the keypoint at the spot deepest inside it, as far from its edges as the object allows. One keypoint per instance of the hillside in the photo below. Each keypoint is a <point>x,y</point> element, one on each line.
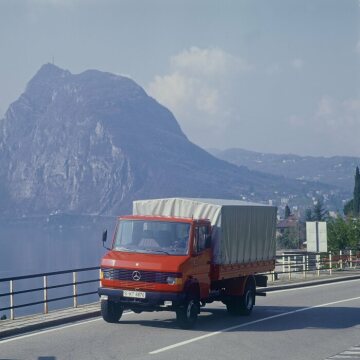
<point>337,171</point>
<point>91,143</point>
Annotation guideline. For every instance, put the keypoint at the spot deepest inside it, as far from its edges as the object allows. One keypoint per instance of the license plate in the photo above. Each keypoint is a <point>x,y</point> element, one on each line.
<point>134,294</point>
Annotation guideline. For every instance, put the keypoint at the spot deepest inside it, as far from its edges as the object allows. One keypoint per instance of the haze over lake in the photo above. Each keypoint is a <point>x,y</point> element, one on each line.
<point>54,243</point>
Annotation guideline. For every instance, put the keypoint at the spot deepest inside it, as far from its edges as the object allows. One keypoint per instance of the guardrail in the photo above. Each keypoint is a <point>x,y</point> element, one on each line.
<point>45,276</point>
<point>304,263</point>
<point>287,264</point>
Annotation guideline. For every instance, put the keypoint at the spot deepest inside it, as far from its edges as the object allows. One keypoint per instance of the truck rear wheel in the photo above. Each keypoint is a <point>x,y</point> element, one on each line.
<point>242,305</point>
<point>186,315</point>
<point>110,311</point>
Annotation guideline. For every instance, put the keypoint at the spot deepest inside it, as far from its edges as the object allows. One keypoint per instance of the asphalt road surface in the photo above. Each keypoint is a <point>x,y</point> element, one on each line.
<point>319,322</point>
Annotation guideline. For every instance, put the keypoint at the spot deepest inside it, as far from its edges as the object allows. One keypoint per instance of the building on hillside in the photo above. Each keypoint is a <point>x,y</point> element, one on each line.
<point>292,228</point>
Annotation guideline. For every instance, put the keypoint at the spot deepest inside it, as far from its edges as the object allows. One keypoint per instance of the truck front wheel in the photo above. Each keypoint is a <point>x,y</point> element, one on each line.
<point>110,311</point>
<point>187,314</point>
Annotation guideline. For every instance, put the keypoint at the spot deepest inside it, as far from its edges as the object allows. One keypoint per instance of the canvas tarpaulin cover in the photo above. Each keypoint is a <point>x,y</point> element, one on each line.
<point>242,231</point>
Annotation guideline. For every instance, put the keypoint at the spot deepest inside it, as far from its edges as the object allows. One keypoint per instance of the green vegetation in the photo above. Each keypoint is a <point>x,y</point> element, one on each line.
<point>308,215</point>
<point>352,207</point>
<point>343,234</point>
<point>289,239</point>
<point>287,212</point>
<point>356,205</point>
<point>317,213</point>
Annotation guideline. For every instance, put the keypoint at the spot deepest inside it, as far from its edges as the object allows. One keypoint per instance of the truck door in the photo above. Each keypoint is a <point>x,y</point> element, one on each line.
<point>202,258</point>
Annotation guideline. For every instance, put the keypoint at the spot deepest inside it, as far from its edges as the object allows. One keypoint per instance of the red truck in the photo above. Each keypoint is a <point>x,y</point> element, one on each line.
<point>179,254</point>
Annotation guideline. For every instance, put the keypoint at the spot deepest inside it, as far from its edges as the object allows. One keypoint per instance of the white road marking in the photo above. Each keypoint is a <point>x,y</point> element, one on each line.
<point>182,343</point>
<point>47,331</point>
<point>41,332</point>
<point>352,353</point>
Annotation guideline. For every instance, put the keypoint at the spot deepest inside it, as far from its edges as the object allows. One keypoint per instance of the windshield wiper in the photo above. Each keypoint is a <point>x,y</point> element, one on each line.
<point>121,248</point>
<point>157,250</point>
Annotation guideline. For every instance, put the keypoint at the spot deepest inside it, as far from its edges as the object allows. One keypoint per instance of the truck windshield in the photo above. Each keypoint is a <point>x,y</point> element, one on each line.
<point>156,237</point>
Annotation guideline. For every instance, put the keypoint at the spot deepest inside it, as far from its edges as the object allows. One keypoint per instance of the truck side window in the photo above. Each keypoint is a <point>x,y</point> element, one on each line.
<point>201,233</point>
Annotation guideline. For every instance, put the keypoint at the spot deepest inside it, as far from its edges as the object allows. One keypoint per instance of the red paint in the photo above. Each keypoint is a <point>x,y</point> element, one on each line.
<point>194,266</point>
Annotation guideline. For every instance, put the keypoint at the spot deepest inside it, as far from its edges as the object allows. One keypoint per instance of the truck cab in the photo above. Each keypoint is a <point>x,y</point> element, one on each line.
<point>157,263</point>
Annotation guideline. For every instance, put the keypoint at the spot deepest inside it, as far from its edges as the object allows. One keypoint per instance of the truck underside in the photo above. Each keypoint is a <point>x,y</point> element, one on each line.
<point>238,294</point>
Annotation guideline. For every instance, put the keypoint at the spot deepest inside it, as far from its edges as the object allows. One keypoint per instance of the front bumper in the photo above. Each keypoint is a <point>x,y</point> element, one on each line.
<point>153,298</point>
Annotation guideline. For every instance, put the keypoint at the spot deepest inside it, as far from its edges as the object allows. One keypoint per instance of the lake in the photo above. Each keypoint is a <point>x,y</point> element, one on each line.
<point>35,245</point>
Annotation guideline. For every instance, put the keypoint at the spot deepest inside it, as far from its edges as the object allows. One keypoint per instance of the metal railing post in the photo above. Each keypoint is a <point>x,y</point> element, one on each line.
<point>341,261</point>
<point>46,309</point>
<point>283,261</point>
<point>330,263</point>
<point>307,262</point>
<point>350,259</point>
<point>289,267</point>
<point>75,300</point>
<point>11,286</point>
<point>304,266</point>
<point>318,264</point>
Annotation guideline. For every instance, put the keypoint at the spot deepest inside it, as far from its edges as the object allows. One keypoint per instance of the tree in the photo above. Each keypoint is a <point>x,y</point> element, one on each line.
<point>354,233</point>
<point>337,234</point>
<point>348,207</point>
<point>343,233</point>
<point>352,207</point>
<point>287,212</point>
<point>308,215</point>
<point>319,213</point>
<point>289,239</point>
<point>356,204</point>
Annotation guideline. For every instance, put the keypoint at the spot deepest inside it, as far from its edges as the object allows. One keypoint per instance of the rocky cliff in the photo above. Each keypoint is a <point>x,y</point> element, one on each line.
<point>93,142</point>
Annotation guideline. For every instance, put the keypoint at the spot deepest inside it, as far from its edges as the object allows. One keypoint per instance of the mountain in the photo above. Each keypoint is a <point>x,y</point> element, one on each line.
<point>337,171</point>
<point>91,143</point>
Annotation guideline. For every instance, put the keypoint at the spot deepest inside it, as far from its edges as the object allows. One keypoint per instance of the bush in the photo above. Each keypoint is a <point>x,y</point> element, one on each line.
<point>344,234</point>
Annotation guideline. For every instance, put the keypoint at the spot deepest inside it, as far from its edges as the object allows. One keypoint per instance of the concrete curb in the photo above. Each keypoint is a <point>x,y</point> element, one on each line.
<point>309,283</point>
<point>47,323</point>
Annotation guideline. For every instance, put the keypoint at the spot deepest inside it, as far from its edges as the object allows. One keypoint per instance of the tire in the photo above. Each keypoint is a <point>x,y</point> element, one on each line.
<point>247,300</point>
<point>242,305</point>
<point>110,311</point>
<point>186,315</point>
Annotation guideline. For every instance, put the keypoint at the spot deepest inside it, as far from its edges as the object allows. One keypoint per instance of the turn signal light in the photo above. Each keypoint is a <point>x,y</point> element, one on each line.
<point>173,280</point>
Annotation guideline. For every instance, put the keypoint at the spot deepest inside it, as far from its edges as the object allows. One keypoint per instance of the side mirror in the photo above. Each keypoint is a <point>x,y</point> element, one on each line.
<point>104,237</point>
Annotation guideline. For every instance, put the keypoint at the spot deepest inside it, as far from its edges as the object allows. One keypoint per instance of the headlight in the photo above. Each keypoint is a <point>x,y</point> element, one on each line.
<point>171,280</point>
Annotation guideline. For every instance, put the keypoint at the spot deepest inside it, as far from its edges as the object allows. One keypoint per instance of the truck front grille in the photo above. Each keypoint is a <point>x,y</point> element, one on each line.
<point>138,275</point>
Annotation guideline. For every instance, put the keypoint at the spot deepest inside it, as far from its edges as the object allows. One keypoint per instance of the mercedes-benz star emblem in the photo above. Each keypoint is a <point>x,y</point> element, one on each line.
<point>136,275</point>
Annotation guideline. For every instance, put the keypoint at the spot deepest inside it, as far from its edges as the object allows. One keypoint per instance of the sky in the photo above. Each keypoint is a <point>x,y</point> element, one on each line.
<point>279,76</point>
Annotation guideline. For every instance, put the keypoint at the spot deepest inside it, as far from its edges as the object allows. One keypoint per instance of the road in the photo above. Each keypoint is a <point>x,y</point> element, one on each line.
<point>319,322</point>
